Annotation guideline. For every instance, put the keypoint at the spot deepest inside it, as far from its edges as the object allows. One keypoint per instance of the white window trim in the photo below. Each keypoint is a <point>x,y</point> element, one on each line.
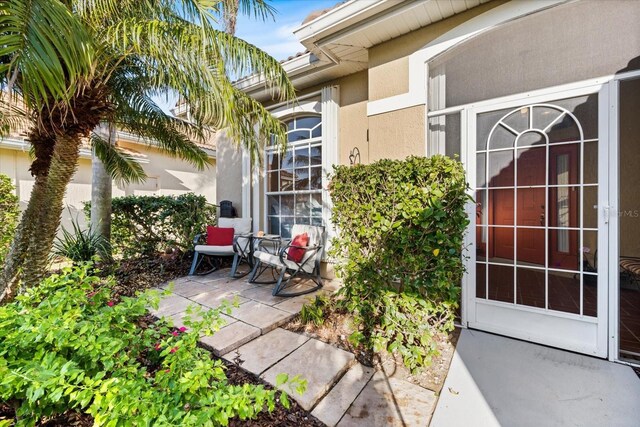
<point>328,108</point>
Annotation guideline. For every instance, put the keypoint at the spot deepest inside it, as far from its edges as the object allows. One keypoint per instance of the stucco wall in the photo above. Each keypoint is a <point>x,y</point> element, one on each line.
<point>167,176</point>
<point>229,172</point>
<point>389,61</point>
<point>397,134</point>
<point>353,119</point>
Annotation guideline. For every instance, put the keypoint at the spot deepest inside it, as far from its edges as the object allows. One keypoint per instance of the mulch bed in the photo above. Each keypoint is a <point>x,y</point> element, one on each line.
<point>137,274</point>
<point>336,330</point>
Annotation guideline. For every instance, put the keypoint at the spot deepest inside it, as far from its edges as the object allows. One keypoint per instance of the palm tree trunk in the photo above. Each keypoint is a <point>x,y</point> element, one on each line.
<point>63,165</point>
<point>101,195</point>
<point>26,228</point>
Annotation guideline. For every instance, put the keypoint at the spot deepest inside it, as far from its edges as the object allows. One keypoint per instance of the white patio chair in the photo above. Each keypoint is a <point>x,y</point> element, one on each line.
<point>240,250</point>
<point>308,267</point>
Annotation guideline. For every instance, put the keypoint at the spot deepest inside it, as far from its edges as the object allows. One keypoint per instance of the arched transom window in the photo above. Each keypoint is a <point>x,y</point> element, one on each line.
<point>294,178</point>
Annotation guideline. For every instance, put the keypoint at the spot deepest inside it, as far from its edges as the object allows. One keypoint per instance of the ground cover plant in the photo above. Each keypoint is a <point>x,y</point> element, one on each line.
<point>70,344</point>
<point>399,252</point>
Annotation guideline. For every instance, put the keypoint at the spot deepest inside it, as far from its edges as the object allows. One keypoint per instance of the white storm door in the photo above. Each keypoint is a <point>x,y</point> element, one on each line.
<point>538,260</point>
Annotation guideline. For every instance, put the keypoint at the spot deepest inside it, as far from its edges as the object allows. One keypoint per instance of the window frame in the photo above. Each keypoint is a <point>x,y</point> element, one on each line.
<point>310,143</point>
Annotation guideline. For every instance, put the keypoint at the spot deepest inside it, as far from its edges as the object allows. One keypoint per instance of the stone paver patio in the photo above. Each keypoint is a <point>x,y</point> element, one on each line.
<point>340,391</point>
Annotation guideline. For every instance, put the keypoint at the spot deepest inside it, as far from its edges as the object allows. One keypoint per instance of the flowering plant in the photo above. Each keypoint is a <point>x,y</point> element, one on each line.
<point>69,345</point>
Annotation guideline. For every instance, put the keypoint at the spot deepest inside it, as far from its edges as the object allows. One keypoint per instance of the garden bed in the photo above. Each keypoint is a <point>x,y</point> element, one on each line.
<point>294,415</point>
<point>281,416</point>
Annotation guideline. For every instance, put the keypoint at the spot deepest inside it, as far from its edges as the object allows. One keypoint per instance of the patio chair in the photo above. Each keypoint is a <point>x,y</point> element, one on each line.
<point>240,250</point>
<point>631,267</point>
<point>308,265</point>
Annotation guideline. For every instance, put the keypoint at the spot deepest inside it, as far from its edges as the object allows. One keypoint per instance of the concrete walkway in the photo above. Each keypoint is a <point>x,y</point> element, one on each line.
<point>340,391</point>
<point>497,381</point>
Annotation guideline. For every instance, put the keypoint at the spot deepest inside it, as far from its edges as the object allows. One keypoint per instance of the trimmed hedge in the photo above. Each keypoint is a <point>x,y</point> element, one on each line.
<point>147,225</point>
<point>399,250</point>
<point>9,213</point>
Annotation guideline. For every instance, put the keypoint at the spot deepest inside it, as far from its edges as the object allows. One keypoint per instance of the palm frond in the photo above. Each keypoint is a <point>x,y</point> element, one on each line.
<point>14,118</point>
<point>43,62</point>
<point>181,56</point>
<point>146,120</point>
<point>123,168</point>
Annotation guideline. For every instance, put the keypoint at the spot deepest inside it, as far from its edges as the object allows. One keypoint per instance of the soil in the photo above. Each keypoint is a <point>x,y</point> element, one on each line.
<point>338,326</point>
<point>133,275</point>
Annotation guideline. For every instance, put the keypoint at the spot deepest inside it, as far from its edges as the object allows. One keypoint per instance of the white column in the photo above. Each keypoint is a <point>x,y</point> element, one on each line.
<point>246,184</point>
<point>330,107</point>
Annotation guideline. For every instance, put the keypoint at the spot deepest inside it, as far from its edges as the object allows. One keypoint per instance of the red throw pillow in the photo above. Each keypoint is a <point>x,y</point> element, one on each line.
<point>218,236</point>
<point>296,254</point>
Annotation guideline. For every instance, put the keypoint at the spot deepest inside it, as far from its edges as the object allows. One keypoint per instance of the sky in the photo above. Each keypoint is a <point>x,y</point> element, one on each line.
<point>274,36</point>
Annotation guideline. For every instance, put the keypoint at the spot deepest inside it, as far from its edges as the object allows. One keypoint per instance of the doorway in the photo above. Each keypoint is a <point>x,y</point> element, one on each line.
<point>539,222</point>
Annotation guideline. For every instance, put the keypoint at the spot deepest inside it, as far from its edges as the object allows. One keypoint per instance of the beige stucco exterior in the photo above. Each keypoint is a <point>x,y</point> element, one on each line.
<point>397,134</point>
<point>229,171</point>
<point>389,61</point>
<point>166,176</point>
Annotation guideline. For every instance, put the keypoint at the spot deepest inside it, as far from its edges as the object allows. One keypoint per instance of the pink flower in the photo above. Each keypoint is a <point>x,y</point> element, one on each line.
<point>183,329</point>
<point>158,347</point>
<point>175,333</point>
<point>111,303</point>
<point>167,371</point>
<point>173,350</point>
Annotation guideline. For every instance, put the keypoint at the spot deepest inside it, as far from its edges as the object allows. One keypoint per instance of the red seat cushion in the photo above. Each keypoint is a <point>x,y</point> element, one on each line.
<point>296,254</point>
<point>218,236</point>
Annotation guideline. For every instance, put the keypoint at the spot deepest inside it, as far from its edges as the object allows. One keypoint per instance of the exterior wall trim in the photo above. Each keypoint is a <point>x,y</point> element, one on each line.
<point>330,128</point>
<point>418,75</point>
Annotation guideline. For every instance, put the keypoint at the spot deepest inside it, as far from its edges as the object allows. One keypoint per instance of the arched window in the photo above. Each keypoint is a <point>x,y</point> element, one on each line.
<point>294,178</point>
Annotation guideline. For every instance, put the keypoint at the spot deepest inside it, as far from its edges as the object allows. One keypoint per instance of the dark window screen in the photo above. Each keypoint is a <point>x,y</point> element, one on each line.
<point>564,44</point>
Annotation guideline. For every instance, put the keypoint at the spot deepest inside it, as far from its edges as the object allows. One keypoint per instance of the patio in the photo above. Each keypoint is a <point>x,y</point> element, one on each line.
<point>340,390</point>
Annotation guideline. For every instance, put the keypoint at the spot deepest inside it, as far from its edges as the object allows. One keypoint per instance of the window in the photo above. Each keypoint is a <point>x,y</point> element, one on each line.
<point>444,135</point>
<point>294,178</point>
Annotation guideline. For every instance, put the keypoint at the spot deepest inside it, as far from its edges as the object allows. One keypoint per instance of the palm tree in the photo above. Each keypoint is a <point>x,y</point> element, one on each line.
<point>117,166</point>
<point>75,64</point>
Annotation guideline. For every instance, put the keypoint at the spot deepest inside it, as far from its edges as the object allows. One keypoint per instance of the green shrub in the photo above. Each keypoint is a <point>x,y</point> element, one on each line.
<point>9,213</point>
<point>147,225</point>
<point>79,245</point>
<point>68,345</point>
<point>399,250</point>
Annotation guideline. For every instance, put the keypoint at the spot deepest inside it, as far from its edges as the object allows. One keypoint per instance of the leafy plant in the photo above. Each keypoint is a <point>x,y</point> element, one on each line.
<point>68,344</point>
<point>79,245</point>
<point>147,225</point>
<point>9,212</point>
<point>399,251</point>
<point>313,312</point>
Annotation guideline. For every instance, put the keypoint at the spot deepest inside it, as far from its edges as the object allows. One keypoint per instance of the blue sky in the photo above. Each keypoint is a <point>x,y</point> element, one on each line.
<point>275,36</point>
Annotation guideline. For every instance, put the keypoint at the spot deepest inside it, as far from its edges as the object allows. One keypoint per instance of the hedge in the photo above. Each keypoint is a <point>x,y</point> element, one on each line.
<point>147,225</point>
<point>399,250</point>
<point>9,214</point>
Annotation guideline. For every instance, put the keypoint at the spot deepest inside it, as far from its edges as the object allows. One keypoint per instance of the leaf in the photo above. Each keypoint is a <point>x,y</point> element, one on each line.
<point>281,379</point>
<point>436,252</point>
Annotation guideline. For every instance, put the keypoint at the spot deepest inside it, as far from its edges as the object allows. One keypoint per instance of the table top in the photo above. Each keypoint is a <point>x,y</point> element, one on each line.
<point>267,237</point>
